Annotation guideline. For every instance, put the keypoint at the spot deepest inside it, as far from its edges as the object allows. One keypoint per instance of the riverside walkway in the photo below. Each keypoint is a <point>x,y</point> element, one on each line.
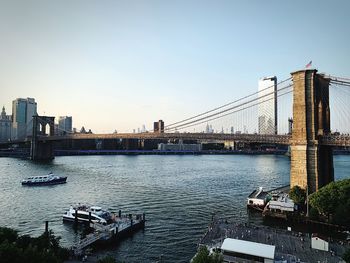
<point>290,246</point>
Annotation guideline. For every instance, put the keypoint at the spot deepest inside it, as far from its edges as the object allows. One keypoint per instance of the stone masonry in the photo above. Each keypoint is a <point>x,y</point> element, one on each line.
<point>311,163</point>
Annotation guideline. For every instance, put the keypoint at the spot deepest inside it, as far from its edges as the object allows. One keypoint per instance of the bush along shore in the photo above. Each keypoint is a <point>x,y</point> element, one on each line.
<point>15,248</point>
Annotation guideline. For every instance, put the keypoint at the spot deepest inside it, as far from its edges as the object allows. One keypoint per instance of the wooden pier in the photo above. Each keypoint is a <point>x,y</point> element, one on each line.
<point>113,232</point>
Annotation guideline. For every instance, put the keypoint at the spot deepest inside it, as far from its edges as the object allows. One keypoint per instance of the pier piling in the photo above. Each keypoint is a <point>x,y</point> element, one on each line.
<point>76,217</point>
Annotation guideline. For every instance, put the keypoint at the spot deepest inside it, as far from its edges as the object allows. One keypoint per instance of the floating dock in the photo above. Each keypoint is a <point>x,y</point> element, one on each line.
<point>122,226</point>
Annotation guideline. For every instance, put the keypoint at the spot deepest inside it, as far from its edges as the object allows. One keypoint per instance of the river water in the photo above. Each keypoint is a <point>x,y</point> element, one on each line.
<point>179,194</point>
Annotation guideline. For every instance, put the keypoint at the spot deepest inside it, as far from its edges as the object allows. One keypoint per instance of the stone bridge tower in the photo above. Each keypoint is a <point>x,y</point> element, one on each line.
<point>311,162</point>
<point>41,150</point>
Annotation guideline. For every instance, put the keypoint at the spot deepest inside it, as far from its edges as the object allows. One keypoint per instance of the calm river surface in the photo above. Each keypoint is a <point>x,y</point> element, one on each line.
<point>177,193</point>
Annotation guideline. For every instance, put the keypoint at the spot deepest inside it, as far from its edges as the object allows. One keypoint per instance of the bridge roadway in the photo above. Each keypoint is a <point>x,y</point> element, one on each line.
<point>257,138</point>
<point>330,140</point>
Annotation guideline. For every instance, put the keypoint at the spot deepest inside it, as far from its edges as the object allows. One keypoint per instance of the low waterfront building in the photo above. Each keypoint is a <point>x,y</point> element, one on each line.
<point>235,250</point>
<point>229,145</point>
<point>179,147</point>
<point>319,243</point>
<point>257,198</point>
<point>281,204</point>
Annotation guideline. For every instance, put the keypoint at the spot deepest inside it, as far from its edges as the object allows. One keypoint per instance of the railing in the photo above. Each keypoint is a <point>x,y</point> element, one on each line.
<point>336,140</point>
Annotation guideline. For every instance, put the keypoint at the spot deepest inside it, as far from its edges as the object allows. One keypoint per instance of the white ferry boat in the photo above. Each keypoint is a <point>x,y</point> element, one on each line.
<point>49,179</point>
<point>84,214</point>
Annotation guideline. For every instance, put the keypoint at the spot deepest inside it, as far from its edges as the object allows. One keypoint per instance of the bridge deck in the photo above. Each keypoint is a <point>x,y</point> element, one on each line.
<point>330,140</point>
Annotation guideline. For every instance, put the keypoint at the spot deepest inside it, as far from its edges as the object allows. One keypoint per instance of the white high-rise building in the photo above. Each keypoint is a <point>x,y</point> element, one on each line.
<point>64,125</point>
<point>267,109</point>
<point>23,111</point>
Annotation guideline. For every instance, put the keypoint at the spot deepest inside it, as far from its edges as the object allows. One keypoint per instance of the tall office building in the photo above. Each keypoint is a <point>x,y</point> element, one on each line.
<point>23,111</point>
<point>158,126</point>
<point>267,109</point>
<point>290,125</point>
<point>5,126</point>
<point>64,125</point>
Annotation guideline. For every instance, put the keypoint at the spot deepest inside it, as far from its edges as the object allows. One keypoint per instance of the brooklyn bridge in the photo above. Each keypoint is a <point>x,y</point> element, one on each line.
<point>311,116</point>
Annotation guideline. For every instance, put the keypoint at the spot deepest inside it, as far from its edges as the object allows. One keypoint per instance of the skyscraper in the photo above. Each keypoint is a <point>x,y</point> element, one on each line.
<point>267,108</point>
<point>23,111</point>
<point>64,125</point>
<point>158,126</point>
<point>5,126</point>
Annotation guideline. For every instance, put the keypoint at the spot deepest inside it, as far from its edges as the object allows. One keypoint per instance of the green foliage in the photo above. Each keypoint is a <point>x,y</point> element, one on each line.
<point>43,249</point>
<point>298,195</point>
<point>333,199</point>
<point>107,259</point>
<point>203,256</point>
<point>217,257</point>
<point>346,256</point>
<point>313,213</point>
<point>8,234</point>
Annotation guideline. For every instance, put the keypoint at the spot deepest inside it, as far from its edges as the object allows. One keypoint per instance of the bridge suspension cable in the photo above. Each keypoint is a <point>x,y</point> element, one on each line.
<point>225,105</point>
<point>339,80</point>
<point>339,98</point>
<point>230,113</point>
<point>261,97</point>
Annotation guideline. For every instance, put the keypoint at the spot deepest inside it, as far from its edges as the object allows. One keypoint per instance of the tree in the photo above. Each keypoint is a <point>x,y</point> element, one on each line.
<point>298,195</point>
<point>346,256</point>
<point>43,249</point>
<point>202,256</point>
<point>8,234</point>
<point>333,199</point>
<point>107,259</point>
<point>217,257</point>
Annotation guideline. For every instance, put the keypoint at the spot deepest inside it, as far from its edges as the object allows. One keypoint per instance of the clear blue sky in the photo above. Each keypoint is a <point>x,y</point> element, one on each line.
<point>121,64</point>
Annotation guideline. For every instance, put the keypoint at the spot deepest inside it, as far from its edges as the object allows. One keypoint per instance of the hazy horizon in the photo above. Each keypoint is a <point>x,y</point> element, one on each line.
<point>121,64</point>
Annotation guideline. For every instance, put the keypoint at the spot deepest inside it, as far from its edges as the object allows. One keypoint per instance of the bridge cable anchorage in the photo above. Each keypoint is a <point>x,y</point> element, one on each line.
<point>209,117</point>
<point>227,104</point>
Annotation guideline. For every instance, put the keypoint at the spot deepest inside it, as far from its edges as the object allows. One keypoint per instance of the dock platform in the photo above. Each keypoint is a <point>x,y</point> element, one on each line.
<point>113,232</point>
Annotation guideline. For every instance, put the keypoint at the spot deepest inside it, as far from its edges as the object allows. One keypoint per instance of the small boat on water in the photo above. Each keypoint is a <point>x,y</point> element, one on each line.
<point>85,213</point>
<point>49,179</point>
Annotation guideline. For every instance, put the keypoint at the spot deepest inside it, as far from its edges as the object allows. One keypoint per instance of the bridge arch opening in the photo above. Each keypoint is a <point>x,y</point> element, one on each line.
<point>46,129</point>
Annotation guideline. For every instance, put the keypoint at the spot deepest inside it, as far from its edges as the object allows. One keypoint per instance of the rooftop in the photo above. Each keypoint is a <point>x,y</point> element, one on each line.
<point>248,248</point>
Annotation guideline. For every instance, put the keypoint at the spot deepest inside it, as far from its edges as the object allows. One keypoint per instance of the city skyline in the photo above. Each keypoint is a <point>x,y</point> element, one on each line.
<point>120,65</point>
